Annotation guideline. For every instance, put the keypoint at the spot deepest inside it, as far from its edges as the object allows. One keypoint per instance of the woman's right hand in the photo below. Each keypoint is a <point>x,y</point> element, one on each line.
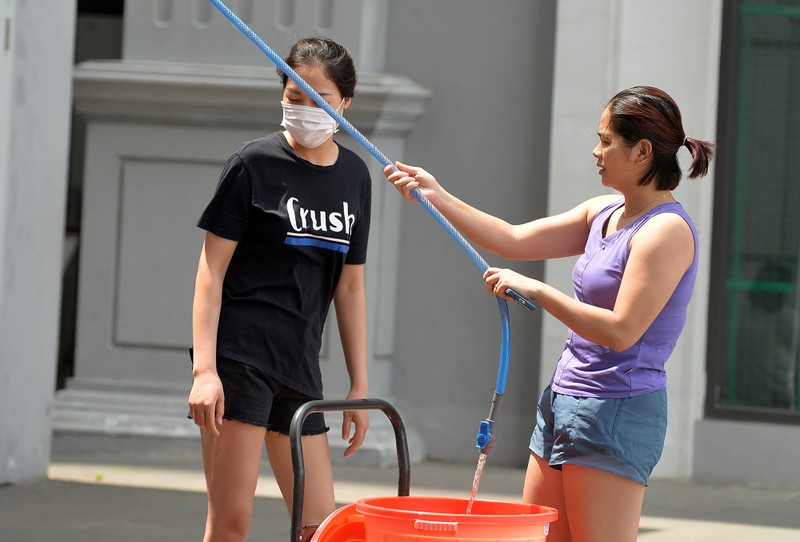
<point>405,178</point>
<point>207,401</point>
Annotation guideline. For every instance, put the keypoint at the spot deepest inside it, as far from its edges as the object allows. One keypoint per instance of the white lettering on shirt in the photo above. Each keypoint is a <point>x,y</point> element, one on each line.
<point>320,220</point>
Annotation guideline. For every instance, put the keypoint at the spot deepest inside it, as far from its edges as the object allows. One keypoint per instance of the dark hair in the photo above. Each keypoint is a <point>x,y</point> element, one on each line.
<point>650,113</point>
<point>334,58</point>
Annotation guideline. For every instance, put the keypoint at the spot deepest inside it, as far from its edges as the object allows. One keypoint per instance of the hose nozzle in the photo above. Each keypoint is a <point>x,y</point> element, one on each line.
<point>487,430</point>
<point>486,437</point>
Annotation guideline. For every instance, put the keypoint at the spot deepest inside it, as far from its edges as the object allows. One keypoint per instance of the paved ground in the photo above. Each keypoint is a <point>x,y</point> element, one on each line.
<point>126,489</point>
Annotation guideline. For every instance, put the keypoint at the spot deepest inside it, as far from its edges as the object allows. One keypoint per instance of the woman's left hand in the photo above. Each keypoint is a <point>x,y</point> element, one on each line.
<point>359,419</point>
<point>499,280</point>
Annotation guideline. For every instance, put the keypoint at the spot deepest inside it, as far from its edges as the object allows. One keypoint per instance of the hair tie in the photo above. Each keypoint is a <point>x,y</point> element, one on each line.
<point>685,141</point>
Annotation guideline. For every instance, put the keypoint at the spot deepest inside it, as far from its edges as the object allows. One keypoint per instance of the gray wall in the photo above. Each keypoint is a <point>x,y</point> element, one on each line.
<point>485,135</point>
<point>489,68</point>
<point>35,83</point>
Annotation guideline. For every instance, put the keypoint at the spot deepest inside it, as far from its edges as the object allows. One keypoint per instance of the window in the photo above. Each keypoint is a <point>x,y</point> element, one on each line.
<point>754,342</point>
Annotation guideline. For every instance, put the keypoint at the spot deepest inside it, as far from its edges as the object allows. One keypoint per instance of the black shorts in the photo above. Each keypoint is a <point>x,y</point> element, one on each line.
<point>253,397</point>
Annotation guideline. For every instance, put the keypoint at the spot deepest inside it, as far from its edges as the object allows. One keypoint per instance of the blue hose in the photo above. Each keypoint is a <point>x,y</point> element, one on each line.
<point>417,193</point>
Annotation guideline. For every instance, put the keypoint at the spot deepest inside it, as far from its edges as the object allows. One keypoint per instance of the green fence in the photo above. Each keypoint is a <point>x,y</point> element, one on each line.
<point>762,306</point>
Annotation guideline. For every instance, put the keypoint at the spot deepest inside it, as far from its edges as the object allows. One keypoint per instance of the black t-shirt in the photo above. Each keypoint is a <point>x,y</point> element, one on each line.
<point>296,224</point>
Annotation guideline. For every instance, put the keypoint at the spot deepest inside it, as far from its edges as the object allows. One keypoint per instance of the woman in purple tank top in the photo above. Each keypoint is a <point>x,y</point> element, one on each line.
<point>601,422</point>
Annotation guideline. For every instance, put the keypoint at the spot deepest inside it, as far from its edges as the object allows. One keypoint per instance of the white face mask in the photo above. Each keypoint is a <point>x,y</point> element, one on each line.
<point>308,126</point>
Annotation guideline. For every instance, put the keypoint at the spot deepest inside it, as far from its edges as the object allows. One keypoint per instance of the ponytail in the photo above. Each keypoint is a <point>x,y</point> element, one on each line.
<point>702,153</point>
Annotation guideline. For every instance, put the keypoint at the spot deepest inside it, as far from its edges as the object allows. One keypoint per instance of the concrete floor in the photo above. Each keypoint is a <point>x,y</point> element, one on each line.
<point>126,489</point>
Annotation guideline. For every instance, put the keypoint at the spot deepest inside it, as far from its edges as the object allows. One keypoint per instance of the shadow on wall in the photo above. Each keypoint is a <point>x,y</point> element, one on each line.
<point>98,35</point>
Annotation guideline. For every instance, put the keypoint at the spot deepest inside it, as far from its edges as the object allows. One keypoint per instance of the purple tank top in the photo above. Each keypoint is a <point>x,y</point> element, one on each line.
<point>587,369</point>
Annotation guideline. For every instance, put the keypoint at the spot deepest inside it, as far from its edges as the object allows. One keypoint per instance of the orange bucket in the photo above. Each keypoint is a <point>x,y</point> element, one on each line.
<point>406,519</point>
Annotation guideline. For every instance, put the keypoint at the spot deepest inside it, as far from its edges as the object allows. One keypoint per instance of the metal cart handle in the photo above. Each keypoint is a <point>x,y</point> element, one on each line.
<point>298,465</point>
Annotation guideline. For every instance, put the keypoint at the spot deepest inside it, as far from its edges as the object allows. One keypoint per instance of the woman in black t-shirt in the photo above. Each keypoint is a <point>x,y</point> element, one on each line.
<point>286,235</point>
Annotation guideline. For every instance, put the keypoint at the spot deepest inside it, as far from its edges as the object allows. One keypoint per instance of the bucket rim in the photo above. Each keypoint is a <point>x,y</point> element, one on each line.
<point>387,507</point>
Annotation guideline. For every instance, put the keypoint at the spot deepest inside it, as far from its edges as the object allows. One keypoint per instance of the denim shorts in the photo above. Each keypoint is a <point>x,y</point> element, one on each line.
<point>255,398</point>
<point>621,436</point>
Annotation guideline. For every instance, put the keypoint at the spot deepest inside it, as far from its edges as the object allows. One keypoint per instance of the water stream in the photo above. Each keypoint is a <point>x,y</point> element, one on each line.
<point>476,481</point>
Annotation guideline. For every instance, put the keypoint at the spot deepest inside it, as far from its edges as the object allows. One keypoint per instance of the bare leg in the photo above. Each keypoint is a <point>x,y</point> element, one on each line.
<point>603,506</point>
<point>318,497</point>
<point>544,486</point>
<point>231,462</point>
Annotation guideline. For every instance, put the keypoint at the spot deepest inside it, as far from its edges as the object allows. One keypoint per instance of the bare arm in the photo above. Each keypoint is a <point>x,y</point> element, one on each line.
<point>206,401</point>
<point>661,252</point>
<point>351,316</point>
<point>550,237</point>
